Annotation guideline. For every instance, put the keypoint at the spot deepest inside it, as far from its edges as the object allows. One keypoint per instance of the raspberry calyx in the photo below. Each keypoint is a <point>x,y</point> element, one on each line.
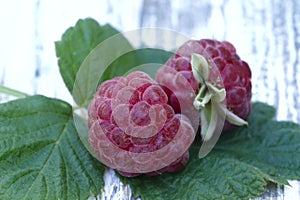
<point>211,98</point>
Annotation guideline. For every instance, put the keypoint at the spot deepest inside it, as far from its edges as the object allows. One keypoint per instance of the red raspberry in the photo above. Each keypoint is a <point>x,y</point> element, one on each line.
<point>222,63</point>
<point>133,130</point>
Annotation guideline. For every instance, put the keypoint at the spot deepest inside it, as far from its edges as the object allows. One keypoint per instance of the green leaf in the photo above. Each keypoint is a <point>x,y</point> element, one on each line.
<point>145,59</point>
<point>76,43</point>
<point>261,113</point>
<point>89,54</point>
<point>271,146</point>
<point>41,155</point>
<point>212,177</point>
<point>239,167</point>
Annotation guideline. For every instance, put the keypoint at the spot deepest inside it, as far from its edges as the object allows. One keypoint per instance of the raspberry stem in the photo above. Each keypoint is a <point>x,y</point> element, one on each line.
<point>202,98</point>
<point>210,99</point>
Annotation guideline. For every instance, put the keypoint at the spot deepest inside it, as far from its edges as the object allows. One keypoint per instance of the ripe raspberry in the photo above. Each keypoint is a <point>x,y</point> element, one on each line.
<point>224,72</point>
<point>133,130</point>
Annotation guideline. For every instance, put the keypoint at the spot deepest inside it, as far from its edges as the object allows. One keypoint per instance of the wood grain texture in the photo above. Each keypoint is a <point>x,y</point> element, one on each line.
<point>266,34</point>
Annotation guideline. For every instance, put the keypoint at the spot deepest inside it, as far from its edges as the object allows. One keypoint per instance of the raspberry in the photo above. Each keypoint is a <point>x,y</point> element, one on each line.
<point>226,72</point>
<point>133,129</point>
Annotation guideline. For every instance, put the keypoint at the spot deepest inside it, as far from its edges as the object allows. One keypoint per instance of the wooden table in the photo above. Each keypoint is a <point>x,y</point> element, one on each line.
<point>266,34</point>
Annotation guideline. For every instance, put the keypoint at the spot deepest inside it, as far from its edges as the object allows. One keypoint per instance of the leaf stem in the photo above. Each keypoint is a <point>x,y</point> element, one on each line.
<point>12,92</point>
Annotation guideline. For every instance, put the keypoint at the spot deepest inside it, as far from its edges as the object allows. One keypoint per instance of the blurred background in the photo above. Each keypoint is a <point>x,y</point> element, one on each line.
<point>265,33</point>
